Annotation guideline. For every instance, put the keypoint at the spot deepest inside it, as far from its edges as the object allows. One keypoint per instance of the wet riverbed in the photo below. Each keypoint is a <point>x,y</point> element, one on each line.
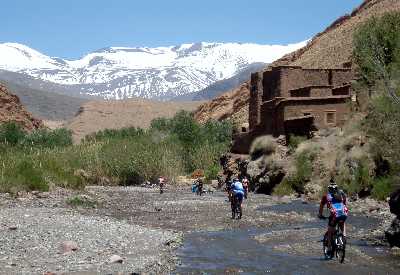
<point>293,248</point>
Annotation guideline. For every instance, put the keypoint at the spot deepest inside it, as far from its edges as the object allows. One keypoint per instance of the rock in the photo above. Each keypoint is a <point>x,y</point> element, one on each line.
<point>265,173</point>
<point>42,195</point>
<point>394,203</point>
<point>392,234</point>
<point>395,251</point>
<point>11,109</point>
<point>115,259</point>
<point>69,246</point>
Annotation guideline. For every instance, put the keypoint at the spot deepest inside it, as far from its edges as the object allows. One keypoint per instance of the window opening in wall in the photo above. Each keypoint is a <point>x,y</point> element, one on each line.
<point>330,117</point>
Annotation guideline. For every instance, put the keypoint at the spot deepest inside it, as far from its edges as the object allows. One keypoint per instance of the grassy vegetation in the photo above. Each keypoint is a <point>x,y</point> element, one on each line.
<point>295,182</point>
<point>283,189</point>
<point>171,147</point>
<point>377,54</point>
<point>294,142</point>
<point>262,146</point>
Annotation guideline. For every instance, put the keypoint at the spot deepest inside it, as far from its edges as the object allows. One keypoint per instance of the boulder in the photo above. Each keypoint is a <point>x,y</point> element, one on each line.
<point>394,203</point>
<point>265,173</point>
<point>392,234</point>
<point>115,259</point>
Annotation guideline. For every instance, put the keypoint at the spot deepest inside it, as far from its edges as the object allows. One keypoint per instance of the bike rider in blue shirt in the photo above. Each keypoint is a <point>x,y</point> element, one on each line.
<point>237,191</point>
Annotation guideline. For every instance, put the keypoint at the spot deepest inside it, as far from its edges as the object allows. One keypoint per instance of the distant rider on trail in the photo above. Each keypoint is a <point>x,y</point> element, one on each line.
<point>335,200</point>
<point>199,186</point>
<point>245,183</point>
<point>161,183</point>
<point>237,192</point>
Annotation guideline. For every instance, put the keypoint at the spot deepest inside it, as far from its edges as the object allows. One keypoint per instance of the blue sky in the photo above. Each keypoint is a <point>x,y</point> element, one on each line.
<point>72,28</point>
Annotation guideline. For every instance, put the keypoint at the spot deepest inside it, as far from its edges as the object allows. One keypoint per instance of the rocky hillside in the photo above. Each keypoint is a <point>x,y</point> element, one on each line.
<point>11,109</point>
<point>331,48</point>
<point>114,114</point>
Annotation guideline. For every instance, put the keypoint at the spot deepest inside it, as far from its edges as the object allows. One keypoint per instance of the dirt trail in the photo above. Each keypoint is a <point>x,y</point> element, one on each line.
<point>144,228</point>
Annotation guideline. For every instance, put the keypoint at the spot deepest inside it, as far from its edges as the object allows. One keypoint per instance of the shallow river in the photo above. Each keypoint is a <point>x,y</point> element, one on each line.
<point>291,249</point>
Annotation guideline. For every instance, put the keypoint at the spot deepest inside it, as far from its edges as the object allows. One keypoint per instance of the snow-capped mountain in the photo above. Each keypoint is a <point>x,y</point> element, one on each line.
<point>163,72</point>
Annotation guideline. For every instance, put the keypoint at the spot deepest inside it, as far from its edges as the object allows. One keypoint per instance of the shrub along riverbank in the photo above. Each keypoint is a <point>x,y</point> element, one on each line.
<point>170,147</point>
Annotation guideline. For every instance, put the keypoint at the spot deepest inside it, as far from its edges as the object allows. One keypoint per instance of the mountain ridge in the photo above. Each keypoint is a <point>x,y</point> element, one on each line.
<point>158,73</point>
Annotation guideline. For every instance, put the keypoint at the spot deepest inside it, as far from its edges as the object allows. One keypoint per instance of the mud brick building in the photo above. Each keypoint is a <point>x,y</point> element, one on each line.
<point>287,100</point>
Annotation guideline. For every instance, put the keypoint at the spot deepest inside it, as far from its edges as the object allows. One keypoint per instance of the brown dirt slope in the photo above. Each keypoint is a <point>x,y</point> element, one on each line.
<point>99,115</point>
<point>331,48</point>
<point>11,109</point>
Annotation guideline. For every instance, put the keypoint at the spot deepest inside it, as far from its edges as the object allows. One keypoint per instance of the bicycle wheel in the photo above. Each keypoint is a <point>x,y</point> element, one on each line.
<point>340,247</point>
<point>325,247</point>
<point>238,211</point>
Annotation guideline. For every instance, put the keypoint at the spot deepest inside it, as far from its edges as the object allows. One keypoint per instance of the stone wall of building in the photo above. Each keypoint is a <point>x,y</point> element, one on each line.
<point>255,101</point>
<point>270,84</point>
<point>319,109</point>
<point>290,96</point>
<point>341,77</point>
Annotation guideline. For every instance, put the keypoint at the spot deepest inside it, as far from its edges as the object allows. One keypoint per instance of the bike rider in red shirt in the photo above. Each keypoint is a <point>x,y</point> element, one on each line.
<point>336,201</point>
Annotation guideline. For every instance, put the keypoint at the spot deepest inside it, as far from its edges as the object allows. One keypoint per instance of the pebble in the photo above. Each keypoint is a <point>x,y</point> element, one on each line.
<point>115,259</point>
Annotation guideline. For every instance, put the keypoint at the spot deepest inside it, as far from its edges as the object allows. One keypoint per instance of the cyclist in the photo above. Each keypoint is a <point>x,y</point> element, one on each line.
<point>335,200</point>
<point>199,186</point>
<point>161,183</point>
<point>245,183</point>
<point>237,191</point>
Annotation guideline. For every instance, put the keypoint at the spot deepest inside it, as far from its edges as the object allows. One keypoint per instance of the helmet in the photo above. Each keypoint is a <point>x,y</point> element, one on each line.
<point>332,187</point>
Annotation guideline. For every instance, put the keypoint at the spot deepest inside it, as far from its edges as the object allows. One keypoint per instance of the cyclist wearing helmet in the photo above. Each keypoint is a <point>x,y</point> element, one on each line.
<point>335,200</point>
<point>237,191</point>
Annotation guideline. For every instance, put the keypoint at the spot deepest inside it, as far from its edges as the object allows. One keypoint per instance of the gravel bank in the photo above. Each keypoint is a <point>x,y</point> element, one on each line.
<point>31,240</point>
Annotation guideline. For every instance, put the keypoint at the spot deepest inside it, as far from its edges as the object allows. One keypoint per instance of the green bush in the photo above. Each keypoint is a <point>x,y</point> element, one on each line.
<point>161,124</point>
<point>49,138</point>
<point>211,173</point>
<point>11,133</point>
<point>377,47</point>
<point>23,175</point>
<point>355,177</point>
<point>294,142</point>
<point>186,129</point>
<point>285,188</point>
<point>304,168</point>
<point>111,134</point>
<point>382,187</point>
<point>126,156</point>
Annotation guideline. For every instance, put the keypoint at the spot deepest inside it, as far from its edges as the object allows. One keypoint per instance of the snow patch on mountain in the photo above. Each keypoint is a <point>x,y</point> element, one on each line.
<point>162,72</point>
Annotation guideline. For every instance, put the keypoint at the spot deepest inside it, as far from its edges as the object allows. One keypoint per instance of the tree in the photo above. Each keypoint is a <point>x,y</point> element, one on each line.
<point>377,52</point>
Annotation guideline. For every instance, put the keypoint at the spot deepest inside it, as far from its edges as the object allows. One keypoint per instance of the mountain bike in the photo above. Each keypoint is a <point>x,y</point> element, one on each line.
<point>338,244</point>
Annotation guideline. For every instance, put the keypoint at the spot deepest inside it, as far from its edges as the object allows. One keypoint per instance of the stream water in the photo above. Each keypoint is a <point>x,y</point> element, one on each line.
<point>291,249</point>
